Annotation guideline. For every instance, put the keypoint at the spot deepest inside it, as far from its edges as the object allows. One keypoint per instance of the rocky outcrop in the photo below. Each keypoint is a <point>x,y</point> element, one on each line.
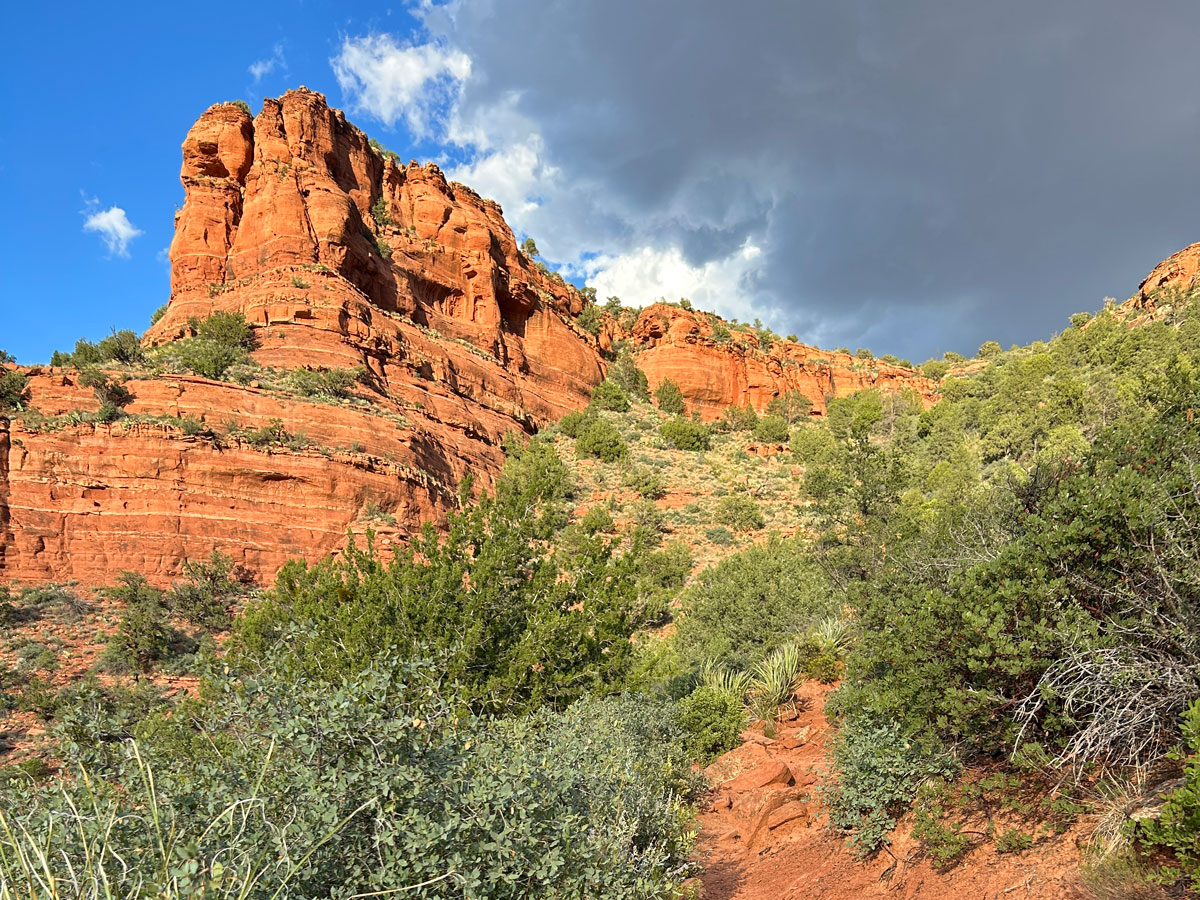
<point>717,366</point>
<point>1168,283</point>
<point>341,256</point>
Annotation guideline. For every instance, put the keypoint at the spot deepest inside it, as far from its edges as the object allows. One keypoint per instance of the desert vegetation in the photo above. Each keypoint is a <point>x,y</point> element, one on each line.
<point>1000,589</point>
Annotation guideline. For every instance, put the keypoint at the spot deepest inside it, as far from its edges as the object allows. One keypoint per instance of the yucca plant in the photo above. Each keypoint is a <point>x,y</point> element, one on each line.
<point>836,632</point>
<point>718,678</point>
<point>773,684</point>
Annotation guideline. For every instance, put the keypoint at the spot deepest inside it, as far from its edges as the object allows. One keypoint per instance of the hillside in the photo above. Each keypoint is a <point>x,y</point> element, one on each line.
<point>386,561</point>
<point>341,259</point>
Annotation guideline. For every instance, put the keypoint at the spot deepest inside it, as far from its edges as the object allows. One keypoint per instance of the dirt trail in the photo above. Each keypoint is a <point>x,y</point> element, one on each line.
<point>764,836</point>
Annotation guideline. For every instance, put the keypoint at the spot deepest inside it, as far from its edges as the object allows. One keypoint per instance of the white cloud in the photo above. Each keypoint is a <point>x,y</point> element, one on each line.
<point>513,176</point>
<point>390,81</point>
<point>114,228</point>
<point>647,274</point>
<point>260,69</point>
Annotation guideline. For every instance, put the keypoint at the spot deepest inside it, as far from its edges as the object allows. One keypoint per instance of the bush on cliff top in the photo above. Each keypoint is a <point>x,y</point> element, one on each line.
<point>14,390</point>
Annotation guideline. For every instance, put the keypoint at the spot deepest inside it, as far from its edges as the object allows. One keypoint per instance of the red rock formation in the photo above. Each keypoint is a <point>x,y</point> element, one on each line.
<point>1176,275</point>
<point>279,225</point>
<point>713,374</point>
<point>464,338</point>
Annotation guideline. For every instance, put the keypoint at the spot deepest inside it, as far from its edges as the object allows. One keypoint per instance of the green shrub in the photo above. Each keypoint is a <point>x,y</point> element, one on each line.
<point>879,768</point>
<point>574,423</point>
<point>208,359</point>
<point>514,625</point>
<point>739,512</point>
<point>384,151</point>
<point>245,798</point>
<point>669,398</point>
<point>720,535</point>
<point>989,350</point>
<point>820,660</point>
<point>112,394</point>
<point>650,484</point>
<point>379,212</point>
<point>206,592</point>
<point>222,341</point>
<point>597,520</point>
<point>608,395</point>
<point>242,105</point>
<point>683,434</point>
<point>142,637</point>
<point>156,316</point>
<point>1013,841</point>
<point>935,368</point>
<point>649,516</point>
<point>601,440</point>
<point>791,406</point>
<point>944,842</point>
<point>626,375</point>
<point>14,390</point>
<point>771,430</point>
<point>713,719</point>
<point>337,383</point>
<point>750,603</point>
<point>123,346</point>
<point>1176,830</point>
<point>589,320</point>
<point>228,329</point>
<point>738,418</point>
<point>274,432</point>
<point>814,445</point>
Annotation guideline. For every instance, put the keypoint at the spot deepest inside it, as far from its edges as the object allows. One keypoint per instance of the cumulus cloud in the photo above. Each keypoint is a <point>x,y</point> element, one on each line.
<point>393,81</point>
<point>113,226</point>
<point>261,68</point>
<point>728,286</point>
<point>915,177</point>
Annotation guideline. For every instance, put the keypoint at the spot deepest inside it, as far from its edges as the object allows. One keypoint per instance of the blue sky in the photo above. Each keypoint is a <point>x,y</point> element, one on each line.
<point>914,178</point>
<point>98,98</point>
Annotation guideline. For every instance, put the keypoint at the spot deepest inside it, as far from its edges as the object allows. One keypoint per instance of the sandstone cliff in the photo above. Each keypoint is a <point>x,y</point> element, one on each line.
<point>731,367</point>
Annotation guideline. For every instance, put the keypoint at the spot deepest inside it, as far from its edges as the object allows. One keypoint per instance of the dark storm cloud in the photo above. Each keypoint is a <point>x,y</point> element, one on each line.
<point>920,176</point>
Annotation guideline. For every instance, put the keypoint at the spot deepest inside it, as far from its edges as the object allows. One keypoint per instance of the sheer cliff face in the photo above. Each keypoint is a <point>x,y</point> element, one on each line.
<point>464,338</point>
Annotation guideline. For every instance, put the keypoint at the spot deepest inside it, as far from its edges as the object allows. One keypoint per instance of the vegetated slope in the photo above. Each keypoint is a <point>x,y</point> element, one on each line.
<point>1016,568</point>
